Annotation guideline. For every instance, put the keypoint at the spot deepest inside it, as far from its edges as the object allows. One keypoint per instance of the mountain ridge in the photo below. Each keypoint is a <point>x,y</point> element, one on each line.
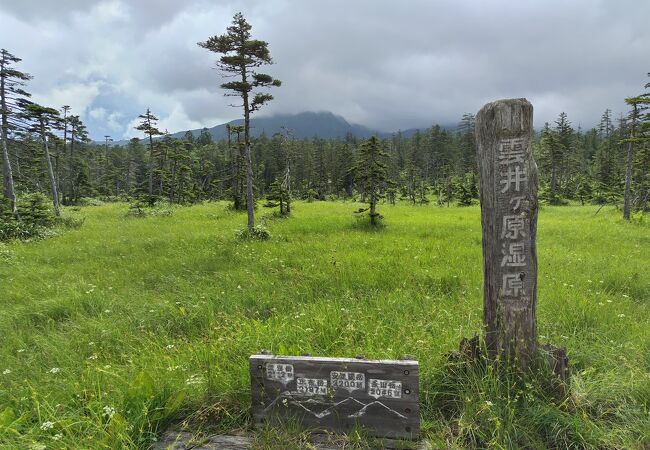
<point>303,125</point>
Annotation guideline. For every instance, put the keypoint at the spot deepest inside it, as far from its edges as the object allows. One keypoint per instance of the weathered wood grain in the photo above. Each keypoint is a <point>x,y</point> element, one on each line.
<point>337,394</point>
<point>508,192</point>
<point>179,440</point>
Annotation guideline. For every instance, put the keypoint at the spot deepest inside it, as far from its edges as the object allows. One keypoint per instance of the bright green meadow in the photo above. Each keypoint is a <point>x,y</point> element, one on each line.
<point>123,328</point>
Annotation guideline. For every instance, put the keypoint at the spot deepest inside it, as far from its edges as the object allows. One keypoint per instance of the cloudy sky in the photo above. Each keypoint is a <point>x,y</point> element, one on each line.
<point>385,64</point>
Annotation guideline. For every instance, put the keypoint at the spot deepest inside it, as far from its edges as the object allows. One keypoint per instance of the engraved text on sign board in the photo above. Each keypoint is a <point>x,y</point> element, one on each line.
<point>337,393</point>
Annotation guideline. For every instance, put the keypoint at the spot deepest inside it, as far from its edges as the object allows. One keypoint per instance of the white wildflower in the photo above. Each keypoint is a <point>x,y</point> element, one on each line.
<point>108,412</point>
<point>57,436</point>
<point>107,311</point>
<point>620,316</point>
<point>6,371</point>
<point>54,370</point>
<point>194,379</point>
<point>489,403</point>
<point>20,350</point>
<point>47,425</point>
<point>170,346</point>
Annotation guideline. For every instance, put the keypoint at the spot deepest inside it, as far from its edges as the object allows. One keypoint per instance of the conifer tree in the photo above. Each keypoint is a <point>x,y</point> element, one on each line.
<point>288,145</point>
<point>642,160</point>
<point>77,166</point>
<point>639,135</point>
<point>278,195</point>
<point>13,99</point>
<point>241,55</point>
<point>371,174</point>
<point>552,154</point>
<point>45,119</point>
<point>65,109</point>
<point>467,144</point>
<point>148,126</point>
<point>205,138</point>
<point>238,165</point>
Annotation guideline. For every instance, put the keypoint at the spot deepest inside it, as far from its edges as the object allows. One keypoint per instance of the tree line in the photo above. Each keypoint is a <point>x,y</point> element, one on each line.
<point>47,150</point>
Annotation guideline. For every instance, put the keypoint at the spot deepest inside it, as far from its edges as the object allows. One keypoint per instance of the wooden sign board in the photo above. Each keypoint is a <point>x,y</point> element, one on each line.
<point>337,394</point>
<point>508,173</point>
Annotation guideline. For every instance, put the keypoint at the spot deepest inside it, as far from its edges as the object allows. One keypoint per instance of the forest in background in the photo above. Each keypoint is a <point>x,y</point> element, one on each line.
<point>584,165</point>
<point>48,153</point>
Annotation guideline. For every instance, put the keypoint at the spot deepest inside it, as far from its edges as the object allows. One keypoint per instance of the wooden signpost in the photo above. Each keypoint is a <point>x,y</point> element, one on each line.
<point>504,131</point>
<point>337,394</point>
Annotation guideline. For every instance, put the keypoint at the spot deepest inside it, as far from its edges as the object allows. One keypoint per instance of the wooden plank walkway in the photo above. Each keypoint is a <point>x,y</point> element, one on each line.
<point>179,440</point>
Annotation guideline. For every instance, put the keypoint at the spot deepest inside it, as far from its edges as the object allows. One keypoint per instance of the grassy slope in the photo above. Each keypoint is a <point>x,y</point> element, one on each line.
<point>155,318</point>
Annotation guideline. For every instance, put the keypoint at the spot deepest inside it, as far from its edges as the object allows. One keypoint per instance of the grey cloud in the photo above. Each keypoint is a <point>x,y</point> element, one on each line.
<point>387,64</point>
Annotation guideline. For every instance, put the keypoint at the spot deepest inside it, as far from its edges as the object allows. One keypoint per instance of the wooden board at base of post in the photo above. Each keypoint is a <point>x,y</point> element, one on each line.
<point>508,174</point>
<point>337,394</point>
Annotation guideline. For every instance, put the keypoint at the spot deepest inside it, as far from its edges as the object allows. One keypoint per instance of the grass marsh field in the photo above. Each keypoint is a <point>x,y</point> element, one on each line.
<point>113,332</point>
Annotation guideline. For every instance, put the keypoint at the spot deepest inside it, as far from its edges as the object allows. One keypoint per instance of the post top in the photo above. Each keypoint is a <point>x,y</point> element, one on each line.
<point>507,102</point>
<point>505,116</point>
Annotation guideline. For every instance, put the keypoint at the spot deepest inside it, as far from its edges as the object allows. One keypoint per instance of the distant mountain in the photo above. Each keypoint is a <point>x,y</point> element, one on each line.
<point>303,125</point>
<point>325,125</point>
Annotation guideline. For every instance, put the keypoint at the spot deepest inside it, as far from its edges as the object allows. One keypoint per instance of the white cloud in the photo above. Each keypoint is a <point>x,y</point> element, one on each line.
<point>387,65</point>
<point>78,96</point>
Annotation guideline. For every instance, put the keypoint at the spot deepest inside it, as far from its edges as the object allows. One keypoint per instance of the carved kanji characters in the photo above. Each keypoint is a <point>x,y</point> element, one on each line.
<point>511,152</point>
<point>515,256</point>
<point>517,200</point>
<point>514,176</point>
<point>513,227</point>
<point>513,285</point>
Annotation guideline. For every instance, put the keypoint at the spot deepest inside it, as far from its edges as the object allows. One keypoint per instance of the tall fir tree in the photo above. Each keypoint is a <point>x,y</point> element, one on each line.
<point>371,174</point>
<point>45,121</point>
<point>147,125</point>
<point>241,56</point>
<point>13,99</point>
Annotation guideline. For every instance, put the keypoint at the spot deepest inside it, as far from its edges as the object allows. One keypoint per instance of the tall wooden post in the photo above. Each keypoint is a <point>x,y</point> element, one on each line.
<point>504,131</point>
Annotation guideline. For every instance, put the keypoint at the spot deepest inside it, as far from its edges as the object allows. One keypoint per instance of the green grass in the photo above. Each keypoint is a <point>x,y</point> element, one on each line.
<point>154,319</point>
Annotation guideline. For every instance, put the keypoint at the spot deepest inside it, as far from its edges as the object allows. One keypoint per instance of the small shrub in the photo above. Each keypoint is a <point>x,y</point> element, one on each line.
<point>112,198</point>
<point>549,198</point>
<point>36,218</point>
<point>311,195</point>
<point>638,217</point>
<point>149,206</point>
<point>36,209</point>
<point>72,223</point>
<point>137,209</point>
<point>161,212</point>
<point>89,201</point>
<point>362,221</point>
<point>6,255</point>
<point>258,233</point>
